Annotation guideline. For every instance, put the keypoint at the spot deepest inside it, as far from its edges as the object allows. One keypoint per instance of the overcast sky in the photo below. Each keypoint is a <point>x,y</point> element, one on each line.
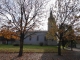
<point>44,23</point>
<point>45,19</point>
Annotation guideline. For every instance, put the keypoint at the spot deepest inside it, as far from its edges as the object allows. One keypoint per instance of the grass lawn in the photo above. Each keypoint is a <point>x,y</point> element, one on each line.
<point>28,48</point>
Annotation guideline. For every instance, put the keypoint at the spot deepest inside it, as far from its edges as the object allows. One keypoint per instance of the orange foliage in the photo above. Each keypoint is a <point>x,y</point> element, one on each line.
<point>9,34</point>
<point>51,32</point>
<point>69,35</point>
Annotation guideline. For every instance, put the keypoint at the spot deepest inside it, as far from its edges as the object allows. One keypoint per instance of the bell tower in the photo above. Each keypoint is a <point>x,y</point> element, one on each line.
<point>51,21</point>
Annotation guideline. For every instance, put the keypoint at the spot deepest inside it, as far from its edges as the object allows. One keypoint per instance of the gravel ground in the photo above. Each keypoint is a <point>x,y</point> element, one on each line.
<point>70,55</point>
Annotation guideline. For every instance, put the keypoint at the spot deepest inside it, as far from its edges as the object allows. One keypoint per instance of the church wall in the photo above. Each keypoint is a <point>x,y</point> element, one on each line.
<point>36,39</point>
<point>52,42</point>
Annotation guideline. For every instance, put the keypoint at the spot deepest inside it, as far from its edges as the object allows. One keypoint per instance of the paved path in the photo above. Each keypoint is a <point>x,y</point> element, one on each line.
<point>74,49</point>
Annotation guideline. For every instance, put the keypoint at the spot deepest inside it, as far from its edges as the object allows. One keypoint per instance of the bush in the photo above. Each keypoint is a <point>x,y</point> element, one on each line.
<point>41,44</point>
<point>16,45</point>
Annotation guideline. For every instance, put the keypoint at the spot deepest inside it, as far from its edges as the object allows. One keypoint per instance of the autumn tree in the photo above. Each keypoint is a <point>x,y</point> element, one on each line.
<point>66,12</point>
<point>8,35</point>
<point>77,34</point>
<point>69,35</point>
<point>23,15</point>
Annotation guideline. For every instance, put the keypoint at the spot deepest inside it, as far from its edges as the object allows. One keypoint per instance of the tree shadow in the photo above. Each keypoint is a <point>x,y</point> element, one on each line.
<point>50,56</point>
<point>68,55</point>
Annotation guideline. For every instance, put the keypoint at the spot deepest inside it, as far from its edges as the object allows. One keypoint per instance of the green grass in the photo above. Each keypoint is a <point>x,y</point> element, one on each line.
<point>28,48</point>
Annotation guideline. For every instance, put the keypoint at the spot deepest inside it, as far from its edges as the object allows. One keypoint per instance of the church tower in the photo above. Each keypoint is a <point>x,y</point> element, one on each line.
<point>52,28</point>
<point>51,21</point>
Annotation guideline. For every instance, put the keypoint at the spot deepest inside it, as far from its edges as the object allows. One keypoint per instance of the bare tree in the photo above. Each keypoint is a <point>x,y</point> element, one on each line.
<point>66,12</point>
<point>23,15</point>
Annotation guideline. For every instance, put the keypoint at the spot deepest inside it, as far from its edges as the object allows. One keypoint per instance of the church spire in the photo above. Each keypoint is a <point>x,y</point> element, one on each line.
<point>51,15</point>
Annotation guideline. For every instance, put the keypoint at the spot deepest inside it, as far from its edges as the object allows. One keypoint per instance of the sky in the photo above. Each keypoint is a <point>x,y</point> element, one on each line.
<point>44,25</point>
<point>44,22</point>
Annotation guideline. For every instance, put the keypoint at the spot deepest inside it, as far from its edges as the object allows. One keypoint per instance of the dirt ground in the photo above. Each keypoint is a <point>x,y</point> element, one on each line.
<point>69,55</point>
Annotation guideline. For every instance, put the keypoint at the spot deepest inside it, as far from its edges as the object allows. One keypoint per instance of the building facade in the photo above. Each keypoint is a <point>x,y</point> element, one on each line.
<point>39,38</point>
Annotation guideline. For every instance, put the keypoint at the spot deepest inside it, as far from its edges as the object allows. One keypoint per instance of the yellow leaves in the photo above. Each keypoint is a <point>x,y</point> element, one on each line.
<point>0,34</point>
<point>60,31</point>
<point>9,34</point>
<point>15,37</point>
<point>69,35</point>
<point>51,33</point>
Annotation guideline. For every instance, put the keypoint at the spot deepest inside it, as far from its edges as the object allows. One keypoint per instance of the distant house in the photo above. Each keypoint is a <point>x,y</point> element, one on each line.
<point>6,41</point>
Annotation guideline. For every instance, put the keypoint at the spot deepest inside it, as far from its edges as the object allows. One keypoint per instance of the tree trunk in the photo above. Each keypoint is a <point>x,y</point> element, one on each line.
<point>63,44</point>
<point>21,45</point>
<point>59,48</point>
<point>63,47</point>
<point>7,42</point>
<point>59,45</point>
<point>71,45</point>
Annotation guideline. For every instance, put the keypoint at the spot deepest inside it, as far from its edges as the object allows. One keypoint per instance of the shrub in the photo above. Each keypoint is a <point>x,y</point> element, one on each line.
<point>41,43</point>
<point>16,45</point>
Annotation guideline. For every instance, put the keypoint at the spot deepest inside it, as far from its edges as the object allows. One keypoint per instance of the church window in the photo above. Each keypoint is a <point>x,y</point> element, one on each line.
<point>30,38</point>
<point>37,38</point>
<point>44,38</point>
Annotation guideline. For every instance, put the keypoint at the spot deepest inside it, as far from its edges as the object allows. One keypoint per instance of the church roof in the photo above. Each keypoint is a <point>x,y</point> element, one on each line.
<point>38,31</point>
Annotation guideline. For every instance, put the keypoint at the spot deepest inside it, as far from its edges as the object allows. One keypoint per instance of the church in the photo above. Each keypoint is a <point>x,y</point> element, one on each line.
<point>40,36</point>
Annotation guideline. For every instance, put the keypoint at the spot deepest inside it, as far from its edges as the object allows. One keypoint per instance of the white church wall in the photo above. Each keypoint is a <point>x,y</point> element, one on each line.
<point>27,41</point>
<point>36,38</point>
<point>39,37</point>
<point>52,42</point>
